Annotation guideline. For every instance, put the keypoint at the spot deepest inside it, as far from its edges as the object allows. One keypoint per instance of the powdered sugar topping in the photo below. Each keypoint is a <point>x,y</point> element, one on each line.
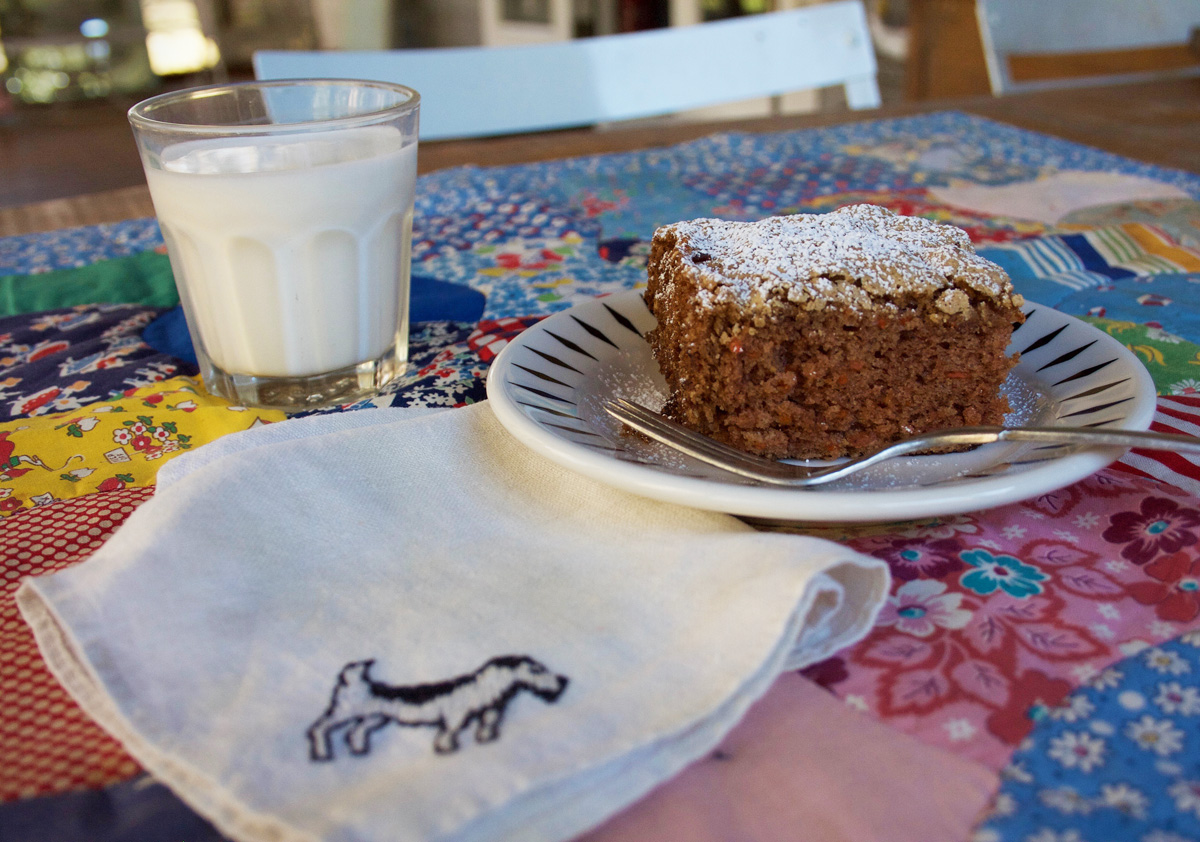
<point>863,256</point>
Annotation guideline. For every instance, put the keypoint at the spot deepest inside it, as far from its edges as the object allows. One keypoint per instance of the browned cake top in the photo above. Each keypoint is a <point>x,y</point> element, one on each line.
<point>861,256</point>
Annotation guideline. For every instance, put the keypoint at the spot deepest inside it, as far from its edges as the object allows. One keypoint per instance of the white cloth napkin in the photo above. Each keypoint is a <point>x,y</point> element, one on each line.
<point>375,626</point>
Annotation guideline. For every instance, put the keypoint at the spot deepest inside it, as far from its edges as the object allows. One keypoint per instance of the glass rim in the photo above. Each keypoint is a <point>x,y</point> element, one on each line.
<point>140,117</point>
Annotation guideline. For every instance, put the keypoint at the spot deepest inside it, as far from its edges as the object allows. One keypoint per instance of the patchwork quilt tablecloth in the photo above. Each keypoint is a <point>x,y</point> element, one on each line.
<point>1053,644</point>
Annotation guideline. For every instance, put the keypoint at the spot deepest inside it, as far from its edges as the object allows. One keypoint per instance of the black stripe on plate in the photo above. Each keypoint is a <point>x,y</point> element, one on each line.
<point>1020,325</point>
<point>1067,357</point>
<point>608,448</point>
<point>568,343</point>
<point>1095,390</point>
<point>980,474</point>
<point>1098,408</point>
<point>623,321</point>
<point>595,331</point>
<point>571,429</point>
<point>550,358</point>
<point>1045,340</point>
<point>541,392</point>
<point>546,409</point>
<point>541,375</point>
<point>1084,372</point>
<point>1050,451</point>
<point>626,456</point>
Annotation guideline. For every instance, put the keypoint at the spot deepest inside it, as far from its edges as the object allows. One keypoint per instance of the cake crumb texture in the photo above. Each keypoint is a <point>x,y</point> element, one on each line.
<point>824,335</point>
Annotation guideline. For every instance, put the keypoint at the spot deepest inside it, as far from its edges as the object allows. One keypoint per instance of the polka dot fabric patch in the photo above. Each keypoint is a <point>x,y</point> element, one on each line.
<point>48,744</point>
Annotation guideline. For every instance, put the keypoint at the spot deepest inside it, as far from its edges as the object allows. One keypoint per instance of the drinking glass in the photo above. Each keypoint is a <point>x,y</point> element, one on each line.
<point>287,207</point>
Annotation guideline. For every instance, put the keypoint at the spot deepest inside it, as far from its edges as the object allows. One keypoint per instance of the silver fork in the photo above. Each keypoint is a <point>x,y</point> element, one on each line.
<point>796,475</point>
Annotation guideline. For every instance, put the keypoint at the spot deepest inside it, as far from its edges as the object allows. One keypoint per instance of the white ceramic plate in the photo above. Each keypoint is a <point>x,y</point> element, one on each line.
<point>547,387</point>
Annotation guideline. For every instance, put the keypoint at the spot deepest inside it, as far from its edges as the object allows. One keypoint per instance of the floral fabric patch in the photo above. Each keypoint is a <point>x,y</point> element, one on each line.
<point>63,360</point>
<point>1117,759</point>
<point>999,614</point>
<point>112,445</point>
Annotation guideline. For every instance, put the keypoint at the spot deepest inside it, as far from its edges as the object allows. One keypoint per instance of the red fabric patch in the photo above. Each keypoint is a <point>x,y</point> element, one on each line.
<point>491,335</point>
<point>48,744</point>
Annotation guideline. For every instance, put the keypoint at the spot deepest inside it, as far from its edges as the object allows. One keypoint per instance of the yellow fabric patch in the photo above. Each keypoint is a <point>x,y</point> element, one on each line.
<point>1157,242</point>
<point>113,444</point>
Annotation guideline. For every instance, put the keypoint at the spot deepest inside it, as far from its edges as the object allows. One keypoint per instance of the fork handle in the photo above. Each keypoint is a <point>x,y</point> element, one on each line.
<point>1071,435</point>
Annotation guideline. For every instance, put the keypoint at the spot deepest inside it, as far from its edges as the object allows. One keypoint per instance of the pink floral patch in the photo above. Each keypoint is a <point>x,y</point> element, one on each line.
<point>1173,589</point>
<point>920,608</point>
<point>996,617</point>
<point>910,558</point>
<point>1159,525</point>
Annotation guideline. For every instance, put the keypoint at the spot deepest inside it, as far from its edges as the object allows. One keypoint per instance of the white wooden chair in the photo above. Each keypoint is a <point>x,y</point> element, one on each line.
<point>479,91</point>
<point>1031,44</point>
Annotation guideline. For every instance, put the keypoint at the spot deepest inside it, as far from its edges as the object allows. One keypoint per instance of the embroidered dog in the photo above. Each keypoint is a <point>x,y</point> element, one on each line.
<point>361,705</point>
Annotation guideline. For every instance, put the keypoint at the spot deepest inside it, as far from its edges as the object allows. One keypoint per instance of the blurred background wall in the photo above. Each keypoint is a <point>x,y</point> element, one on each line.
<point>54,51</point>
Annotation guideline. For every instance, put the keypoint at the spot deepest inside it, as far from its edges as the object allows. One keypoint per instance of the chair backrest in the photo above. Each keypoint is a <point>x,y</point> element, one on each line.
<point>477,91</point>
<point>1032,44</point>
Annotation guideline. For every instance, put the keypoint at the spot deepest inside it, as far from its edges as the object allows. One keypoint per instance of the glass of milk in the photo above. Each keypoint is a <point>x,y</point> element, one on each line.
<point>287,211</point>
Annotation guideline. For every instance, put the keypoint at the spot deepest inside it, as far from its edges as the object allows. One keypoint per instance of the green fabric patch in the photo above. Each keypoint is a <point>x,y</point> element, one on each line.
<point>143,278</point>
<point>1173,362</point>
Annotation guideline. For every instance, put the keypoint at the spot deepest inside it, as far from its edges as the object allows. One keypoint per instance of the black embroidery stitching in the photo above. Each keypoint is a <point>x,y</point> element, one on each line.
<point>361,705</point>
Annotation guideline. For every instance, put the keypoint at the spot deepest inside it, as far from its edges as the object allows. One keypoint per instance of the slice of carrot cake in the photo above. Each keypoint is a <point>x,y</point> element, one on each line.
<point>823,335</point>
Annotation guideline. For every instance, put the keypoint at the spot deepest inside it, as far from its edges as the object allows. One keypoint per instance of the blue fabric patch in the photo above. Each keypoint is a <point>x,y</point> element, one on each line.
<point>1091,258</point>
<point>140,810</point>
<point>1119,759</point>
<point>60,360</point>
<point>168,334</point>
<point>431,300</point>
<point>1163,301</point>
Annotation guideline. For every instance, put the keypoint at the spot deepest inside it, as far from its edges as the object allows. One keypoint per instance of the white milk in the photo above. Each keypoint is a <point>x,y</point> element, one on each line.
<point>299,269</point>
